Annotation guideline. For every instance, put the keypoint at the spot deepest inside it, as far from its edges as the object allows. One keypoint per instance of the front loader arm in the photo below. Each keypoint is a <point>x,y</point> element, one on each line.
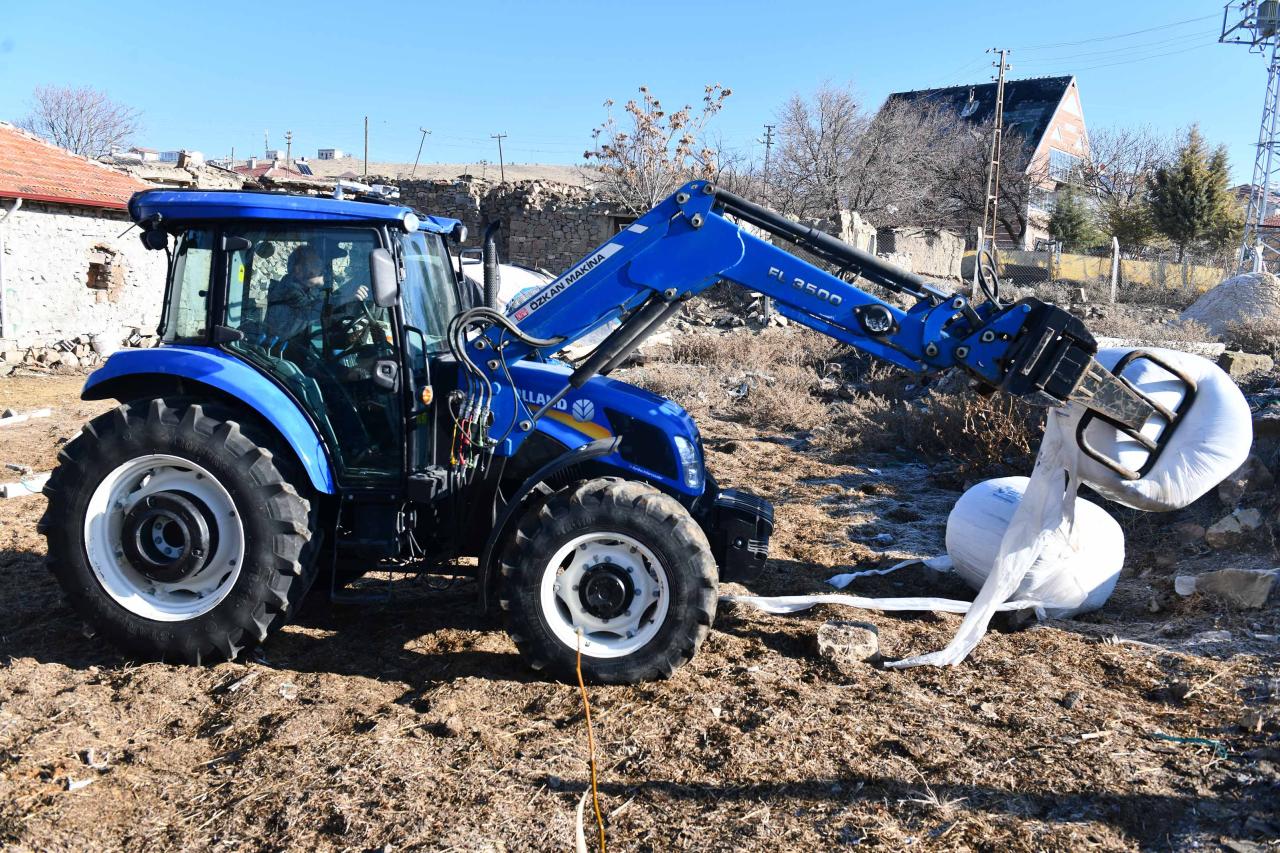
<point>688,242</point>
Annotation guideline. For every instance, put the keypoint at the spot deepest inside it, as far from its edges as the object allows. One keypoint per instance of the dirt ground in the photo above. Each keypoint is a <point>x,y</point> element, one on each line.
<point>415,725</point>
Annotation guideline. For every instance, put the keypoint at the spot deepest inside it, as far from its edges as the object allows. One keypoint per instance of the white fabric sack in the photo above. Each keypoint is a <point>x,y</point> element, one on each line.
<point>1210,443</point>
<point>1075,573</point>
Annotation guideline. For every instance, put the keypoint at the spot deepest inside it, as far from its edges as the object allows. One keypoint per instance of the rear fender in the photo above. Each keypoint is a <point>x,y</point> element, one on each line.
<point>131,374</point>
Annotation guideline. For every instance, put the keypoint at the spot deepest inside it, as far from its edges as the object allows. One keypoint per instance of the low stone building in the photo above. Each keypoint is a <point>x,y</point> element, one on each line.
<point>70,264</point>
<point>545,225</point>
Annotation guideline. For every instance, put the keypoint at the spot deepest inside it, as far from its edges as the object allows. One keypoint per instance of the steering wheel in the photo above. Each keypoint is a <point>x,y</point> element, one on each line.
<point>355,328</point>
<point>989,277</point>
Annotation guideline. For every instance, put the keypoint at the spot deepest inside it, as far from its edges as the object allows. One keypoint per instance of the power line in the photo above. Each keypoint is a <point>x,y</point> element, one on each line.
<point>1127,48</point>
<point>1118,35</point>
<point>1145,58</point>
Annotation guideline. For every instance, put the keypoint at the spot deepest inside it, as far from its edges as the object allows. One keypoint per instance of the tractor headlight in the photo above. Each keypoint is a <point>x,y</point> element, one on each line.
<point>690,463</point>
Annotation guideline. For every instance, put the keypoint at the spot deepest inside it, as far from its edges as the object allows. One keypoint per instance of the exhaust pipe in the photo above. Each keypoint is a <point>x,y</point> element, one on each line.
<point>489,262</point>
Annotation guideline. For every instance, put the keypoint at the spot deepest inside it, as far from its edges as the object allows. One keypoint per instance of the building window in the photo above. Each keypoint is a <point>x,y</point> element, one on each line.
<point>1062,166</point>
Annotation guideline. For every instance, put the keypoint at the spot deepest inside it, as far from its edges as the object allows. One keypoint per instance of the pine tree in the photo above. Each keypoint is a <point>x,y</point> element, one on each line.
<point>1072,222</point>
<point>1190,198</point>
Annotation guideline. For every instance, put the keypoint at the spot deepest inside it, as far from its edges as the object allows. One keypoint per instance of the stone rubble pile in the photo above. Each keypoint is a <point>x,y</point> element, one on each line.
<point>65,356</point>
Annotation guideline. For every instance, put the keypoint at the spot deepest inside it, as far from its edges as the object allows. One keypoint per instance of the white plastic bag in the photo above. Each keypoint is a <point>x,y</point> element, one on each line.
<point>1210,443</point>
<point>1075,573</point>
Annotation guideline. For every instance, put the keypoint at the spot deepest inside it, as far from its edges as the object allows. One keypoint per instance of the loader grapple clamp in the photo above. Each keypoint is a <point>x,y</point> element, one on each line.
<point>1172,417</point>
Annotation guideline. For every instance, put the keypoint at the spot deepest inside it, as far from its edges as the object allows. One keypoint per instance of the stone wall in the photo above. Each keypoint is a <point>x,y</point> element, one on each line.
<point>544,225</point>
<point>549,225</point>
<point>69,271</point>
<point>926,252</point>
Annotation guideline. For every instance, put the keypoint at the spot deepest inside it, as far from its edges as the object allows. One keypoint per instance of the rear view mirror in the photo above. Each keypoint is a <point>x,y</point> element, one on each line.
<point>382,275</point>
<point>155,239</point>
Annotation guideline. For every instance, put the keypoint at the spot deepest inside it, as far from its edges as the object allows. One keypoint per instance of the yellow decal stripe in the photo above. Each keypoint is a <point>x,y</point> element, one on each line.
<point>588,428</point>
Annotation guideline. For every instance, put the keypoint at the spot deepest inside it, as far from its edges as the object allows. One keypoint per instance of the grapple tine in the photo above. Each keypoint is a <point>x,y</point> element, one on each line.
<point>1101,391</point>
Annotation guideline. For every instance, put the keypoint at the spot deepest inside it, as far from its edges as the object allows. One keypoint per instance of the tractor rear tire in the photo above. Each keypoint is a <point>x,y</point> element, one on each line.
<point>176,531</point>
<point>621,562</point>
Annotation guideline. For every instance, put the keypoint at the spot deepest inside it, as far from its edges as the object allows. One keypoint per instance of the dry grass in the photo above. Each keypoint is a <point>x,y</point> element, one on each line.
<point>1258,335</point>
<point>799,382</point>
<point>1116,322</point>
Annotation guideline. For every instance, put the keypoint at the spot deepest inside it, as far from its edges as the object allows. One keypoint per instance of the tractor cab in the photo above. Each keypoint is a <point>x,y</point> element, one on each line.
<point>341,310</point>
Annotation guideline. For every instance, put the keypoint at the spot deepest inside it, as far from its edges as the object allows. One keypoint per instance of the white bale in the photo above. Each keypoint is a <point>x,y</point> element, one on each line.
<point>1073,574</point>
<point>1211,442</point>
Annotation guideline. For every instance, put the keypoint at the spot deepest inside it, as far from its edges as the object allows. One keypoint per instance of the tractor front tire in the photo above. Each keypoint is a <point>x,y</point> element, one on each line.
<point>616,566</point>
<point>175,531</point>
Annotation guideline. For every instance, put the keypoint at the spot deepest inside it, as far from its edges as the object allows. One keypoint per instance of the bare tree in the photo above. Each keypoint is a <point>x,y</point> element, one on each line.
<point>643,158</point>
<point>961,185</point>
<point>813,171</point>
<point>1117,174</point>
<point>80,119</point>
<point>898,162</point>
<point>834,155</point>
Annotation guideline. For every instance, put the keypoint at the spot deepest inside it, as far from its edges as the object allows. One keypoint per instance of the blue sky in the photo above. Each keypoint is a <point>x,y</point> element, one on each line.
<point>214,76</point>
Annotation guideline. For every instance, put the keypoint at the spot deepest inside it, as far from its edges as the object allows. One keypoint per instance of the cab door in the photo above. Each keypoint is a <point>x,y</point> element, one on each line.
<point>301,298</point>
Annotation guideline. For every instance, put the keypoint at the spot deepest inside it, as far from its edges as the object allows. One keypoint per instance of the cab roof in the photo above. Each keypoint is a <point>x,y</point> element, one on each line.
<point>180,206</point>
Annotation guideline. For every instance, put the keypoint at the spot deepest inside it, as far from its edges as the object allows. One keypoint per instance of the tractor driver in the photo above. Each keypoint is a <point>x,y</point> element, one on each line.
<point>302,298</point>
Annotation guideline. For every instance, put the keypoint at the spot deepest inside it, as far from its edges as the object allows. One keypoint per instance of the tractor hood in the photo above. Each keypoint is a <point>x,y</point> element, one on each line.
<point>660,442</point>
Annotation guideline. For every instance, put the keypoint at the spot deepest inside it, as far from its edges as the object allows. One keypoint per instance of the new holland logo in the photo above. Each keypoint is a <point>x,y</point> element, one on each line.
<point>561,284</point>
<point>584,410</point>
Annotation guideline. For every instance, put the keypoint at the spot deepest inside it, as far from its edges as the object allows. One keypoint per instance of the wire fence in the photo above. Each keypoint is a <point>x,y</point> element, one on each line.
<point>1154,277</point>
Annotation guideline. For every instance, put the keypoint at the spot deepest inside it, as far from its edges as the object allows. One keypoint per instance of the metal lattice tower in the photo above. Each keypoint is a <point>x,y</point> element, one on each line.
<point>1257,24</point>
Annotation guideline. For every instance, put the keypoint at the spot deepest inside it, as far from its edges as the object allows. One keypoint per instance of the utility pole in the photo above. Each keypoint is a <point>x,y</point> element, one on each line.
<point>1258,26</point>
<point>502,169</point>
<point>288,148</point>
<point>990,208</point>
<point>425,134</point>
<point>768,146</point>
<point>366,146</point>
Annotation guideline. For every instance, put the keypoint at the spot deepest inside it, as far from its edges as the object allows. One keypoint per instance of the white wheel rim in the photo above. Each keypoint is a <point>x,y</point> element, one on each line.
<point>117,494</point>
<point>565,612</point>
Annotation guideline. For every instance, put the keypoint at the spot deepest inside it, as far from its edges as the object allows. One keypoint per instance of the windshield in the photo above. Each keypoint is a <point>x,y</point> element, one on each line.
<point>428,295</point>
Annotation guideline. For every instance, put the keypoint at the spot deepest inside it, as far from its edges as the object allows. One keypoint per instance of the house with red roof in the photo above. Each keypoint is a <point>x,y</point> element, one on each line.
<point>70,264</point>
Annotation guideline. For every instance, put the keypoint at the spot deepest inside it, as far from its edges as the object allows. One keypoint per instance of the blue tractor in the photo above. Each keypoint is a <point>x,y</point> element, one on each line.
<point>329,398</point>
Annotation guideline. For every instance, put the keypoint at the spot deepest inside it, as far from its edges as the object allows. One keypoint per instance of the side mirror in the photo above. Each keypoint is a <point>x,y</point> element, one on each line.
<point>383,277</point>
<point>155,239</point>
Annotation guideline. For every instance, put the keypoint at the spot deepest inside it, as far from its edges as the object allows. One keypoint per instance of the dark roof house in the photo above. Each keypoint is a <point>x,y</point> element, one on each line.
<point>1044,112</point>
<point>1029,105</point>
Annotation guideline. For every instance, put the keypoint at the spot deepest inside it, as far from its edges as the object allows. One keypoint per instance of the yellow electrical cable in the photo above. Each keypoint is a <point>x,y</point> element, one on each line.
<point>591,746</point>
